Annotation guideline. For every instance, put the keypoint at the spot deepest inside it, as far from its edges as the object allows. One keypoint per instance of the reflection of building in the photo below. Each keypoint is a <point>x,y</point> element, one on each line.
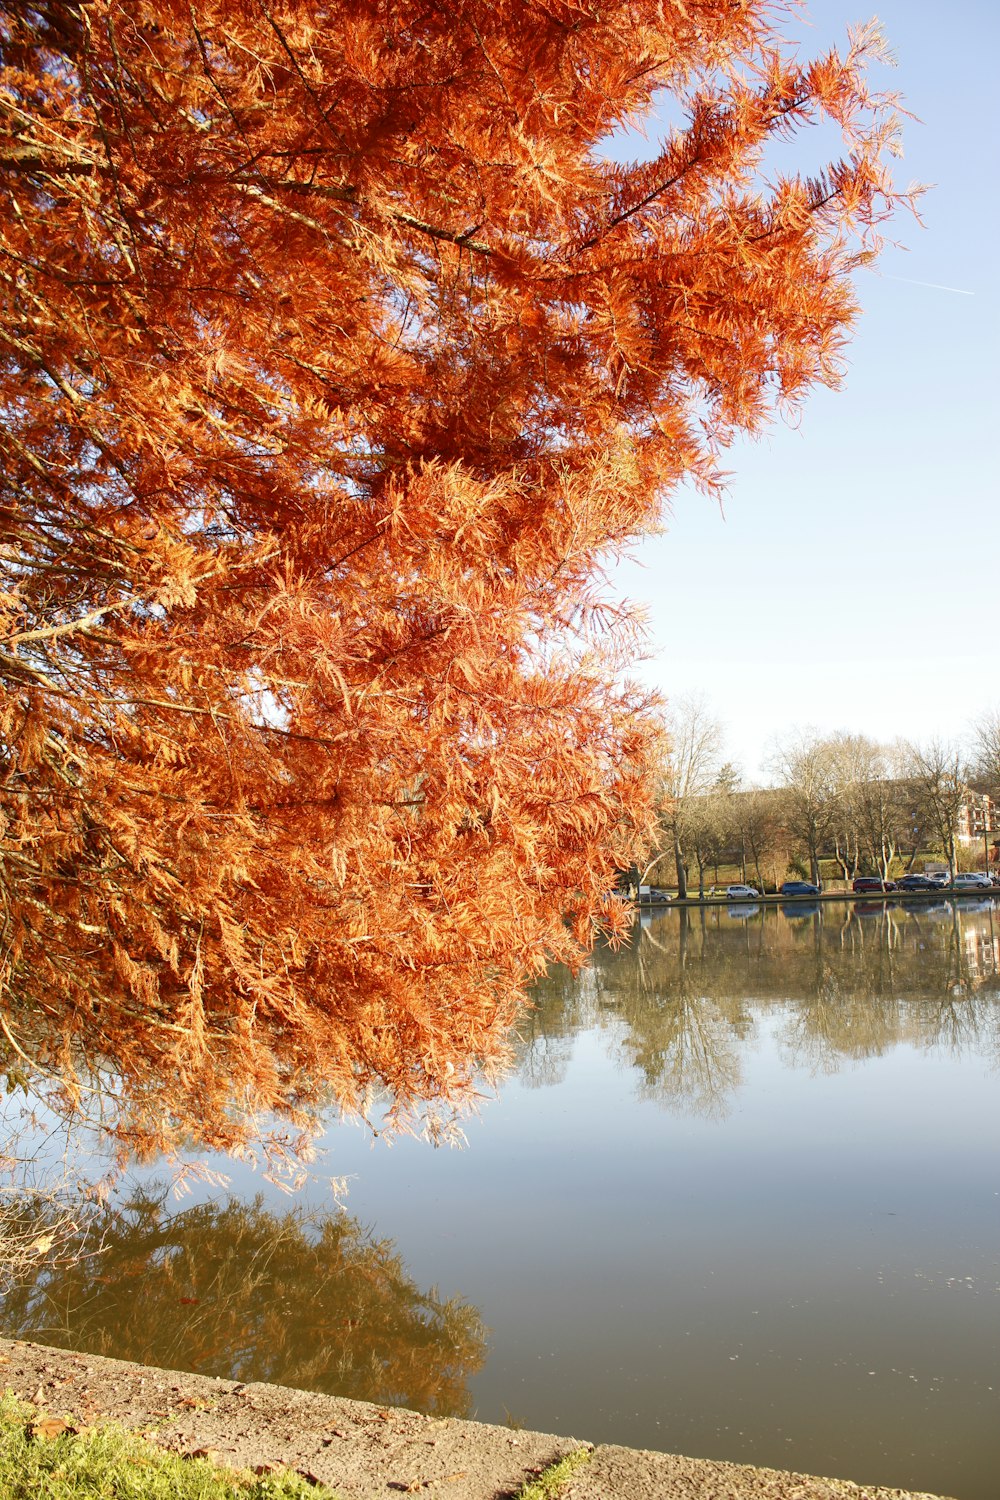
<point>982,950</point>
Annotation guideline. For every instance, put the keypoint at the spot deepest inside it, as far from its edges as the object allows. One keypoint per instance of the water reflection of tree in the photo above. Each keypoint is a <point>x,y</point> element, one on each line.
<point>845,1003</point>
<point>849,981</point>
<point>545,1031</point>
<point>683,1040</point>
<point>239,1291</point>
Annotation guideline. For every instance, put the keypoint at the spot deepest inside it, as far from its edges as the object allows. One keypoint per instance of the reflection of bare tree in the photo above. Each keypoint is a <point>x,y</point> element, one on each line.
<point>851,980</point>
<point>847,1004</point>
<point>238,1291</point>
<point>960,1022</point>
<point>545,1032</point>
<point>682,1041</point>
<point>684,1048</point>
<point>833,1022</point>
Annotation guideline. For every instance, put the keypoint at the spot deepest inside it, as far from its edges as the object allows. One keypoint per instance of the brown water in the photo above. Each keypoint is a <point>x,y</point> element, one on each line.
<point>740,1200</point>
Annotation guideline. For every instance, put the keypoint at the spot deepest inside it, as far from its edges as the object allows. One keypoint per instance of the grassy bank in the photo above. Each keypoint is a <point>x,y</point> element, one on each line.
<point>51,1458</point>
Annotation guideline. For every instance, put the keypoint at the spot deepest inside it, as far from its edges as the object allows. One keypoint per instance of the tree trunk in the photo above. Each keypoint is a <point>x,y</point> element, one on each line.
<point>813,862</point>
<point>682,885</point>
<point>841,861</point>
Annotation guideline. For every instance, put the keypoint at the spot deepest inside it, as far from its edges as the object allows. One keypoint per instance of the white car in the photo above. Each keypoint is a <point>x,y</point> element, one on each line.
<point>973,880</point>
<point>741,892</point>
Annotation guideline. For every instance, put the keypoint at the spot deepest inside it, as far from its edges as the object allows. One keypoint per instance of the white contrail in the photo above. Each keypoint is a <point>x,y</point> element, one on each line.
<point>934,285</point>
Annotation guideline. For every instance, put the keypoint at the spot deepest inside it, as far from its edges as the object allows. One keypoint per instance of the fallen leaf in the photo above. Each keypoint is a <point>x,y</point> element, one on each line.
<point>49,1427</point>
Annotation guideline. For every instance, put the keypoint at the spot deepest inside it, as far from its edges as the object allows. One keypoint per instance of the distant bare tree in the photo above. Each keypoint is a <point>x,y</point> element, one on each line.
<point>847,754</point>
<point>871,819</point>
<point>710,830</point>
<point>758,815</point>
<point>986,765</point>
<point>879,802</point>
<point>689,773</point>
<point>939,777</point>
<point>808,769</point>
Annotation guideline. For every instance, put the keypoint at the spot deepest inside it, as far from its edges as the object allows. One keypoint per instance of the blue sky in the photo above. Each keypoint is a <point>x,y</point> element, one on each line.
<point>853,581</point>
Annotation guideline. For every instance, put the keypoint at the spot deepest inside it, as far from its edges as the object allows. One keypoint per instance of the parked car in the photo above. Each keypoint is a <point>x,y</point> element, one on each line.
<point>938,879</point>
<point>973,880</point>
<point>798,888</point>
<point>872,883</point>
<point>741,892</point>
<point>916,883</point>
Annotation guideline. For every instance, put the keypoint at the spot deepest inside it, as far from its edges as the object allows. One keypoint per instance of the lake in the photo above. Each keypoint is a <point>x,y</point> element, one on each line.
<point>740,1199</point>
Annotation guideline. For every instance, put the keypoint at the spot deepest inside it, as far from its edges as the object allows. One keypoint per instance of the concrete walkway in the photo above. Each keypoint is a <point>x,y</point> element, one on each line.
<point>373,1452</point>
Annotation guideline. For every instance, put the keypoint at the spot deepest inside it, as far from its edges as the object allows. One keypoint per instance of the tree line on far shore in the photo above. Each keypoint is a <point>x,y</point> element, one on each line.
<point>844,799</point>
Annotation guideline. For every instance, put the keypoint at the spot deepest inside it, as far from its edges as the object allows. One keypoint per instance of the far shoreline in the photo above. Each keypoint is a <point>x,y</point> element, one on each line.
<point>946,893</point>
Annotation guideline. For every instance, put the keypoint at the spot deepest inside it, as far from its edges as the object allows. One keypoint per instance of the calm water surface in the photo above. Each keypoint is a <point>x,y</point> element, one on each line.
<point>740,1200</point>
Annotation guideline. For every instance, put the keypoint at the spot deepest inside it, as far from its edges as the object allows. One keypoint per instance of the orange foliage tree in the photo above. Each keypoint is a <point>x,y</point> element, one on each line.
<point>336,357</point>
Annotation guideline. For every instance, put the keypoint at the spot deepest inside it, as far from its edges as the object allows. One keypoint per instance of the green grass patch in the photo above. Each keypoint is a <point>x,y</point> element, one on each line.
<point>548,1485</point>
<point>44,1457</point>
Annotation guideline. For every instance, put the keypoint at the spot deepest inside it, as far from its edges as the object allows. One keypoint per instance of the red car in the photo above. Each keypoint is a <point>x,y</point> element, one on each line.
<point>872,883</point>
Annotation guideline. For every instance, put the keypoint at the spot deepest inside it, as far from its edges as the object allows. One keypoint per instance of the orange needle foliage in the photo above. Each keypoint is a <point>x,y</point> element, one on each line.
<point>335,355</point>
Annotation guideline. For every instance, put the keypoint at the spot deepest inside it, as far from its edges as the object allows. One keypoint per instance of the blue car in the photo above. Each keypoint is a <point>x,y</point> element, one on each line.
<point>798,888</point>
